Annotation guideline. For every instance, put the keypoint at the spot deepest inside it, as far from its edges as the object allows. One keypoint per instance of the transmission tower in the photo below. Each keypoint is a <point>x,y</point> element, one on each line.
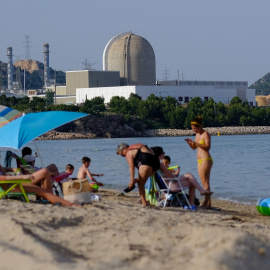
<point>166,75</point>
<point>27,46</point>
<point>87,65</point>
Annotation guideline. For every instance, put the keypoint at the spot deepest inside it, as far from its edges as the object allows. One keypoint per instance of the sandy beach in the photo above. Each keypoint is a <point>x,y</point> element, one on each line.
<point>118,233</point>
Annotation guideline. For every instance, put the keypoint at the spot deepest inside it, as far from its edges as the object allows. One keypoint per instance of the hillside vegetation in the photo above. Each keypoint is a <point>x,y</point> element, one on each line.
<point>262,86</point>
<point>34,75</point>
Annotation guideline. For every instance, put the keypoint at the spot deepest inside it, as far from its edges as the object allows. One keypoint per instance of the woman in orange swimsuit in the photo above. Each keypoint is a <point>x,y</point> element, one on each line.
<point>202,142</point>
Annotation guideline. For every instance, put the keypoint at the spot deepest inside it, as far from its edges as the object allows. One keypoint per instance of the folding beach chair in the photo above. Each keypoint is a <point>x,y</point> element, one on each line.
<point>12,184</point>
<point>20,162</point>
<point>165,186</point>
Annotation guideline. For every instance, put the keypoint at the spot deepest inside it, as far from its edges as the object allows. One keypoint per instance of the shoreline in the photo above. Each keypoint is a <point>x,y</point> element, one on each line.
<point>117,233</point>
<point>214,131</point>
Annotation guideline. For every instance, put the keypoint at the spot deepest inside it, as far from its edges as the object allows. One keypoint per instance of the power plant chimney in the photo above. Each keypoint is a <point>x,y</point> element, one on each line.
<point>46,65</point>
<point>10,68</point>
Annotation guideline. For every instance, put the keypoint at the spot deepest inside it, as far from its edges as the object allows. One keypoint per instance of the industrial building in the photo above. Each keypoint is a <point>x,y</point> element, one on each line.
<point>129,66</point>
<point>90,79</point>
<point>83,79</point>
<point>134,58</point>
<point>183,93</point>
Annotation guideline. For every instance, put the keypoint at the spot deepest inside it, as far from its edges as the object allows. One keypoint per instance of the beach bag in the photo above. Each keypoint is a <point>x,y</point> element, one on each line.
<point>57,189</point>
<point>77,191</point>
<point>178,200</point>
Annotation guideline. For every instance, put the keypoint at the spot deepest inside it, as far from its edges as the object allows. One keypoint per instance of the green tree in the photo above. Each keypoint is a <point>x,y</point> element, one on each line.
<point>154,106</point>
<point>49,97</point>
<point>37,104</point>
<point>119,105</point>
<point>95,106</point>
<point>210,113</point>
<point>235,100</point>
<point>133,103</point>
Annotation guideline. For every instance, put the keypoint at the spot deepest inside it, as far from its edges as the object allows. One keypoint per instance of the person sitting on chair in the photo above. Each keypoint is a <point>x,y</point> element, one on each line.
<point>30,160</point>
<point>167,161</point>
<point>186,180</point>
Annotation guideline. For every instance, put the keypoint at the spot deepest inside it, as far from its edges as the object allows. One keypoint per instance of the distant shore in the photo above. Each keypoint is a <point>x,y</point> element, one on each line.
<point>219,131</point>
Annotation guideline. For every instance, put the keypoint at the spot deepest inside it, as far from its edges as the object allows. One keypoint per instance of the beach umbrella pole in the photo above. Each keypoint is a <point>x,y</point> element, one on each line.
<point>41,160</point>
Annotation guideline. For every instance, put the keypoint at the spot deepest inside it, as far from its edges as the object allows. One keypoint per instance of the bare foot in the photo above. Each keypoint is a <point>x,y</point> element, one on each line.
<point>146,204</point>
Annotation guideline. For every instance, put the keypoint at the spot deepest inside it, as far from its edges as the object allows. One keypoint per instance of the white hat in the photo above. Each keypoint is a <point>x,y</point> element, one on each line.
<point>29,158</point>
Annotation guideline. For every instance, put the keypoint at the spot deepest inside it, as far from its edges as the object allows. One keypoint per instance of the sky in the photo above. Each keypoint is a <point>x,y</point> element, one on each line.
<point>225,40</point>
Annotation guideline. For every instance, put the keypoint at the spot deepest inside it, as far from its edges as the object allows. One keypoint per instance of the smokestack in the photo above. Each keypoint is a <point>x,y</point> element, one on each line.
<point>46,65</point>
<point>10,68</point>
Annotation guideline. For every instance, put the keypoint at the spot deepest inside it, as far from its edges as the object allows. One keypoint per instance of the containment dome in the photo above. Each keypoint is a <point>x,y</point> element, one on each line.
<point>133,56</point>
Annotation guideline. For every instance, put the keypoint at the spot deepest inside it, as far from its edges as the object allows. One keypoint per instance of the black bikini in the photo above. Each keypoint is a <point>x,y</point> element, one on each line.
<point>149,159</point>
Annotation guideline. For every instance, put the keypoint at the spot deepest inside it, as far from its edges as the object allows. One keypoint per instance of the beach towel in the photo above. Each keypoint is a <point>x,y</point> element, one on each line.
<point>151,191</point>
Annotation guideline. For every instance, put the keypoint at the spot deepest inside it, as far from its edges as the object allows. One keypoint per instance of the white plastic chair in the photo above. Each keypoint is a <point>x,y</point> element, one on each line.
<point>165,186</point>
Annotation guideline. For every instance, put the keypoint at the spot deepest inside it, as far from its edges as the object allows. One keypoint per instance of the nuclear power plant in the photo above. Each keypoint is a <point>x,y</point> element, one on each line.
<point>129,66</point>
<point>133,57</point>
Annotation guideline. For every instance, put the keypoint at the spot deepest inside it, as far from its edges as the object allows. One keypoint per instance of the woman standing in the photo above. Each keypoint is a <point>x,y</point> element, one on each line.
<point>203,144</point>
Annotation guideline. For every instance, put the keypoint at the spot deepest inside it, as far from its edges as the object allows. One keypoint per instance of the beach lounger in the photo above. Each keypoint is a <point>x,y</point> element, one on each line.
<point>165,186</point>
<point>11,184</point>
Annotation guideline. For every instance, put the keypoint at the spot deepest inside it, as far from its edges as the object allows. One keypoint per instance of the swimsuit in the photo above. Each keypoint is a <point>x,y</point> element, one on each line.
<point>149,159</point>
<point>200,161</point>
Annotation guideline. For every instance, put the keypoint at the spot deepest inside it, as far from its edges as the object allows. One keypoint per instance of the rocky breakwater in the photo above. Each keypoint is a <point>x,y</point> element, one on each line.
<point>91,127</point>
<point>242,130</point>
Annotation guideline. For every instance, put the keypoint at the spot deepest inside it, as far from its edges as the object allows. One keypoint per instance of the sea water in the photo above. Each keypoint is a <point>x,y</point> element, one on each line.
<point>241,169</point>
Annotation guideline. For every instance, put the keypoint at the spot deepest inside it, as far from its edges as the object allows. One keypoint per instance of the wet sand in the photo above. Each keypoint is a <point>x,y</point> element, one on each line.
<point>118,233</point>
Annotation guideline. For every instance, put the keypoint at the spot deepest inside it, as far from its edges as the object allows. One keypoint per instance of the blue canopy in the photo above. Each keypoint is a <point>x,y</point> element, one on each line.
<point>30,126</point>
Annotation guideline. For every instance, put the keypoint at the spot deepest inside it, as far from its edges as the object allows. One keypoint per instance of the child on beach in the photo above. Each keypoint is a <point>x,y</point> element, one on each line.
<point>61,178</point>
<point>84,171</point>
<point>167,161</point>
<point>69,171</point>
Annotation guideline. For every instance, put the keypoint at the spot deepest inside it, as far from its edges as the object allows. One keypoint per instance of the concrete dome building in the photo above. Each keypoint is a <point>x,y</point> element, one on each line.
<point>133,56</point>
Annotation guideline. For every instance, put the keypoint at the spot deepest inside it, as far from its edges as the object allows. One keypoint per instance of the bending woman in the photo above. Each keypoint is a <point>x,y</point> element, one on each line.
<point>187,180</point>
<point>139,156</point>
<point>202,142</point>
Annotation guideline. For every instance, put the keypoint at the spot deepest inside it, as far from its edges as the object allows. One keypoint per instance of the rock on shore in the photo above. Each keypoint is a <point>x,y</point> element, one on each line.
<point>115,126</point>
